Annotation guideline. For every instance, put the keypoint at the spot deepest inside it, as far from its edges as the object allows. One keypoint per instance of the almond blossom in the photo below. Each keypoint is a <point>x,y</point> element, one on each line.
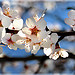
<point>71,20</point>
<point>6,16</point>
<point>35,30</point>
<point>51,49</point>
<point>10,40</point>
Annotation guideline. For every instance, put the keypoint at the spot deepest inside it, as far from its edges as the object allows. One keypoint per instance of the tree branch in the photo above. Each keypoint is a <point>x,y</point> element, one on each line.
<point>32,57</point>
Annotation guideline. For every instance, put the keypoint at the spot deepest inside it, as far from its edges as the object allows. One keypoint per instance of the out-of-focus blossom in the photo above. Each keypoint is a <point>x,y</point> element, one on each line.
<point>71,20</point>
<point>30,70</point>
<point>48,66</point>
<point>49,5</point>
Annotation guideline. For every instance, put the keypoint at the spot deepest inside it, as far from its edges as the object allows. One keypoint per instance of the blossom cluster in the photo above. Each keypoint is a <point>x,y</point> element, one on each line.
<point>31,37</point>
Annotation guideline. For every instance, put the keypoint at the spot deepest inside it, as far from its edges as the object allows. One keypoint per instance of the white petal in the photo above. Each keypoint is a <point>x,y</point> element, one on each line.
<point>41,24</point>
<point>36,47</point>
<point>74,28</point>
<point>30,22</point>
<point>54,37</point>
<point>21,46</point>
<point>21,34</point>
<point>26,30</point>
<point>53,48</point>
<point>69,21</point>
<point>1,28</point>
<point>71,14</point>
<point>54,56</point>
<point>5,38</point>
<point>47,51</point>
<point>63,54</point>
<point>12,47</point>
<point>18,24</point>
<point>20,42</point>
<point>46,42</point>
<point>3,32</point>
<point>13,13</point>
<point>1,13</point>
<point>15,37</point>
<point>27,47</point>
<point>6,21</point>
<point>42,35</point>
<point>34,51</point>
<point>34,39</point>
<point>11,26</point>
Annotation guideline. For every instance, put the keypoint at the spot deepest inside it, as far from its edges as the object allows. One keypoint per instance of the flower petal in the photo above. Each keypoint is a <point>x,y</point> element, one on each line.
<point>69,21</point>
<point>30,22</point>
<point>73,28</point>
<point>6,21</point>
<point>47,51</point>
<point>5,38</point>
<point>63,54</point>
<point>71,14</point>
<point>21,46</point>
<point>35,48</point>
<point>46,42</point>
<point>1,28</point>
<point>26,30</point>
<point>21,34</point>
<point>54,37</point>
<point>42,34</point>
<point>13,13</point>
<point>18,24</point>
<point>54,56</point>
<point>41,24</point>
<point>12,47</point>
<point>27,47</point>
<point>16,37</point>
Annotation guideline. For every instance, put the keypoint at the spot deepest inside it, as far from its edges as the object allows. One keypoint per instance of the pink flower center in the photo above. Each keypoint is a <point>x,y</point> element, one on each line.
<point>34,31</point>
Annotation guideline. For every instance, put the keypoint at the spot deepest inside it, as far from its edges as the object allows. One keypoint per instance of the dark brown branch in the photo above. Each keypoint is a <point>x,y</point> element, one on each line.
<point>32,57</point>
<point>11,31</point>
<point>65,33</point>
<point>11,59</point>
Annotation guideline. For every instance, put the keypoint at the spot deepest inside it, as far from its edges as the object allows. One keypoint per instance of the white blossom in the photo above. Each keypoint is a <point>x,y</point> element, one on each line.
<point>35,30</point>
<point>10,40</point>
<point>71,20</point>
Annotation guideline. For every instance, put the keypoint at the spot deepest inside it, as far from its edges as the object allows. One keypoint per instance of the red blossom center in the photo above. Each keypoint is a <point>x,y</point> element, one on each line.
<point>34,31</point>
<point>10,41</point>
<point>57,47</point>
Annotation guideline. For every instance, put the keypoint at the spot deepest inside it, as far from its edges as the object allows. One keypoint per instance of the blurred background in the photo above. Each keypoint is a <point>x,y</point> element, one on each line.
<point>55,15</point>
